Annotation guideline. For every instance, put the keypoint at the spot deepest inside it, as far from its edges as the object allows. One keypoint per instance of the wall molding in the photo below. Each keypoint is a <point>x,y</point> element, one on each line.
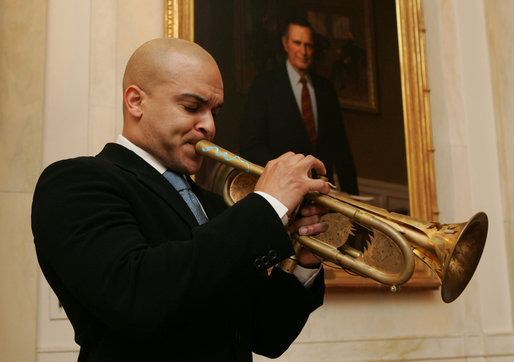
<point>419,348</point>
<point>390,196</point>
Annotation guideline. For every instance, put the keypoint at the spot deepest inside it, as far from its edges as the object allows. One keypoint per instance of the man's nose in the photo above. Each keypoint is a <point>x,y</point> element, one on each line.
<point>206,124</point>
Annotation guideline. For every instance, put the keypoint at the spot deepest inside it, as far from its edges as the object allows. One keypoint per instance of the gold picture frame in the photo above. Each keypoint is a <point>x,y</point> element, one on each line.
<point>179,19</point>
<point>179,22</point>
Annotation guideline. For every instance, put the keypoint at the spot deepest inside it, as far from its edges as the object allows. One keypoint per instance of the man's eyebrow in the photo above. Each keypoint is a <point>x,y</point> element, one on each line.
<point>198,98</point>
<point>195,96</point>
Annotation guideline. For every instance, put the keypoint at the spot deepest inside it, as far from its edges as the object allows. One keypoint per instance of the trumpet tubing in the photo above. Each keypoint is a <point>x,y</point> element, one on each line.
<point>452,251</point>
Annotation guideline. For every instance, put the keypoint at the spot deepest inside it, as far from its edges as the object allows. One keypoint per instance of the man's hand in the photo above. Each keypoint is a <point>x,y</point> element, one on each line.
<point>288,179</point>
<point>309,223</point>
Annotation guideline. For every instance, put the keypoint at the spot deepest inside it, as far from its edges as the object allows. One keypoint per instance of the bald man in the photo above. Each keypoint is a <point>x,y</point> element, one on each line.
<point>147,274</point>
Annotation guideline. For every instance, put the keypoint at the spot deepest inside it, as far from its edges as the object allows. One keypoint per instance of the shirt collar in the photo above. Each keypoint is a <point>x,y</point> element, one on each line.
<point>150,159</point>
<point>293,74</point>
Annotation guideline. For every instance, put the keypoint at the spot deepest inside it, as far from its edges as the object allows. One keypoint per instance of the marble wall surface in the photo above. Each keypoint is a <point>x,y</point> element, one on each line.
<point>500,33</point>
<point>466,139</point>
<point>22,74</point>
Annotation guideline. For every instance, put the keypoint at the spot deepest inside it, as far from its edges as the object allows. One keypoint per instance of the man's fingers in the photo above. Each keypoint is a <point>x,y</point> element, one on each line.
<point>314,209</point>
<point>313,229</point>
<point>304,221</point>
<point>309,225</point>
<point>318,185</point>
<point>289,158</point>
<point>312,162</point>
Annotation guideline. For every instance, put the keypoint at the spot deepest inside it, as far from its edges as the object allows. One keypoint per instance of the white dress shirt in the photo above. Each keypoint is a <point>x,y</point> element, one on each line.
<point>294,79</point>
<point>305,275</point>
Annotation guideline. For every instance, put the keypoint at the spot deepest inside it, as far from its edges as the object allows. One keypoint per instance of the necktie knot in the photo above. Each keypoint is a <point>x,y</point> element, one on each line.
<point>303,80</point>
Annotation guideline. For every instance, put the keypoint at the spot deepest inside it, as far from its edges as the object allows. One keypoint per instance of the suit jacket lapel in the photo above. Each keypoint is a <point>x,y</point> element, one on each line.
<point>290,105</point>
<point>148,176</point>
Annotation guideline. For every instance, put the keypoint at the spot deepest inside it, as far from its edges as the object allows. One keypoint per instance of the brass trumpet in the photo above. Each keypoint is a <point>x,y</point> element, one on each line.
<point>452,251</point>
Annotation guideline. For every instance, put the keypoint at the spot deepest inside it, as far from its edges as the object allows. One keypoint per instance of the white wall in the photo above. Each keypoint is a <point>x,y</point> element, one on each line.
<point>501,49</point>
<point>464,129</point>
<point>465,66</point>
<point>88,45</point>
<point>22,73</point>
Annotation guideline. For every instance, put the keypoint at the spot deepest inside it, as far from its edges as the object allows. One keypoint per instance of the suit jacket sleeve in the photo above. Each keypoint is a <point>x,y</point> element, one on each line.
<point>276,318</point>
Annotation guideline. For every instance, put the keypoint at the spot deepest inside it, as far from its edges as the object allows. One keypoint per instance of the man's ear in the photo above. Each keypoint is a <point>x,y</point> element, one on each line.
<point>133,98</point>
<point>284,42</point>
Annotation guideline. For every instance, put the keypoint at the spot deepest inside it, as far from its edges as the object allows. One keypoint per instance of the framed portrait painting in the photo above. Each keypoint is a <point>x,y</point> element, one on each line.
<point>248,43</point>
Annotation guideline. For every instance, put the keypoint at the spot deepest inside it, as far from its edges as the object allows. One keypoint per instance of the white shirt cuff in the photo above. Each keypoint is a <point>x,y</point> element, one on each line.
<point>306,276</point>
<point>279,207</point>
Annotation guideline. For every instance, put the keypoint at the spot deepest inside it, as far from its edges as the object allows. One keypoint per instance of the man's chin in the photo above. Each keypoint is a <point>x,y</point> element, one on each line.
<point>193,166</point>
<point>186,165</point>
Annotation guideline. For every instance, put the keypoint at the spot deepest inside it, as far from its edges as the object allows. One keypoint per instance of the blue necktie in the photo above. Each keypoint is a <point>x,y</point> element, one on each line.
<point>183,188</point>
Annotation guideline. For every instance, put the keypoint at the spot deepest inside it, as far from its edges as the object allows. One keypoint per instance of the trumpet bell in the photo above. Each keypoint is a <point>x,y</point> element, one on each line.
<point>463,259</point>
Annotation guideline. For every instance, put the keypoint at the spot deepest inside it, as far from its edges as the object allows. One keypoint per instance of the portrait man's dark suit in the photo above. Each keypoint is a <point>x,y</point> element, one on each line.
<point>141,281</point>
<point>272,124</point>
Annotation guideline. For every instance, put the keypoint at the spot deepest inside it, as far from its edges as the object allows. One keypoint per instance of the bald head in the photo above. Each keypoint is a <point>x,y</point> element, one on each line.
<point>157,60</point>
<point>172,90</point>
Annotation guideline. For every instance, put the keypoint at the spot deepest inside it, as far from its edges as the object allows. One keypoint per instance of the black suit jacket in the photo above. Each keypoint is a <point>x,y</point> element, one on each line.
<point>141,281</point>
<point>272,125</point>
